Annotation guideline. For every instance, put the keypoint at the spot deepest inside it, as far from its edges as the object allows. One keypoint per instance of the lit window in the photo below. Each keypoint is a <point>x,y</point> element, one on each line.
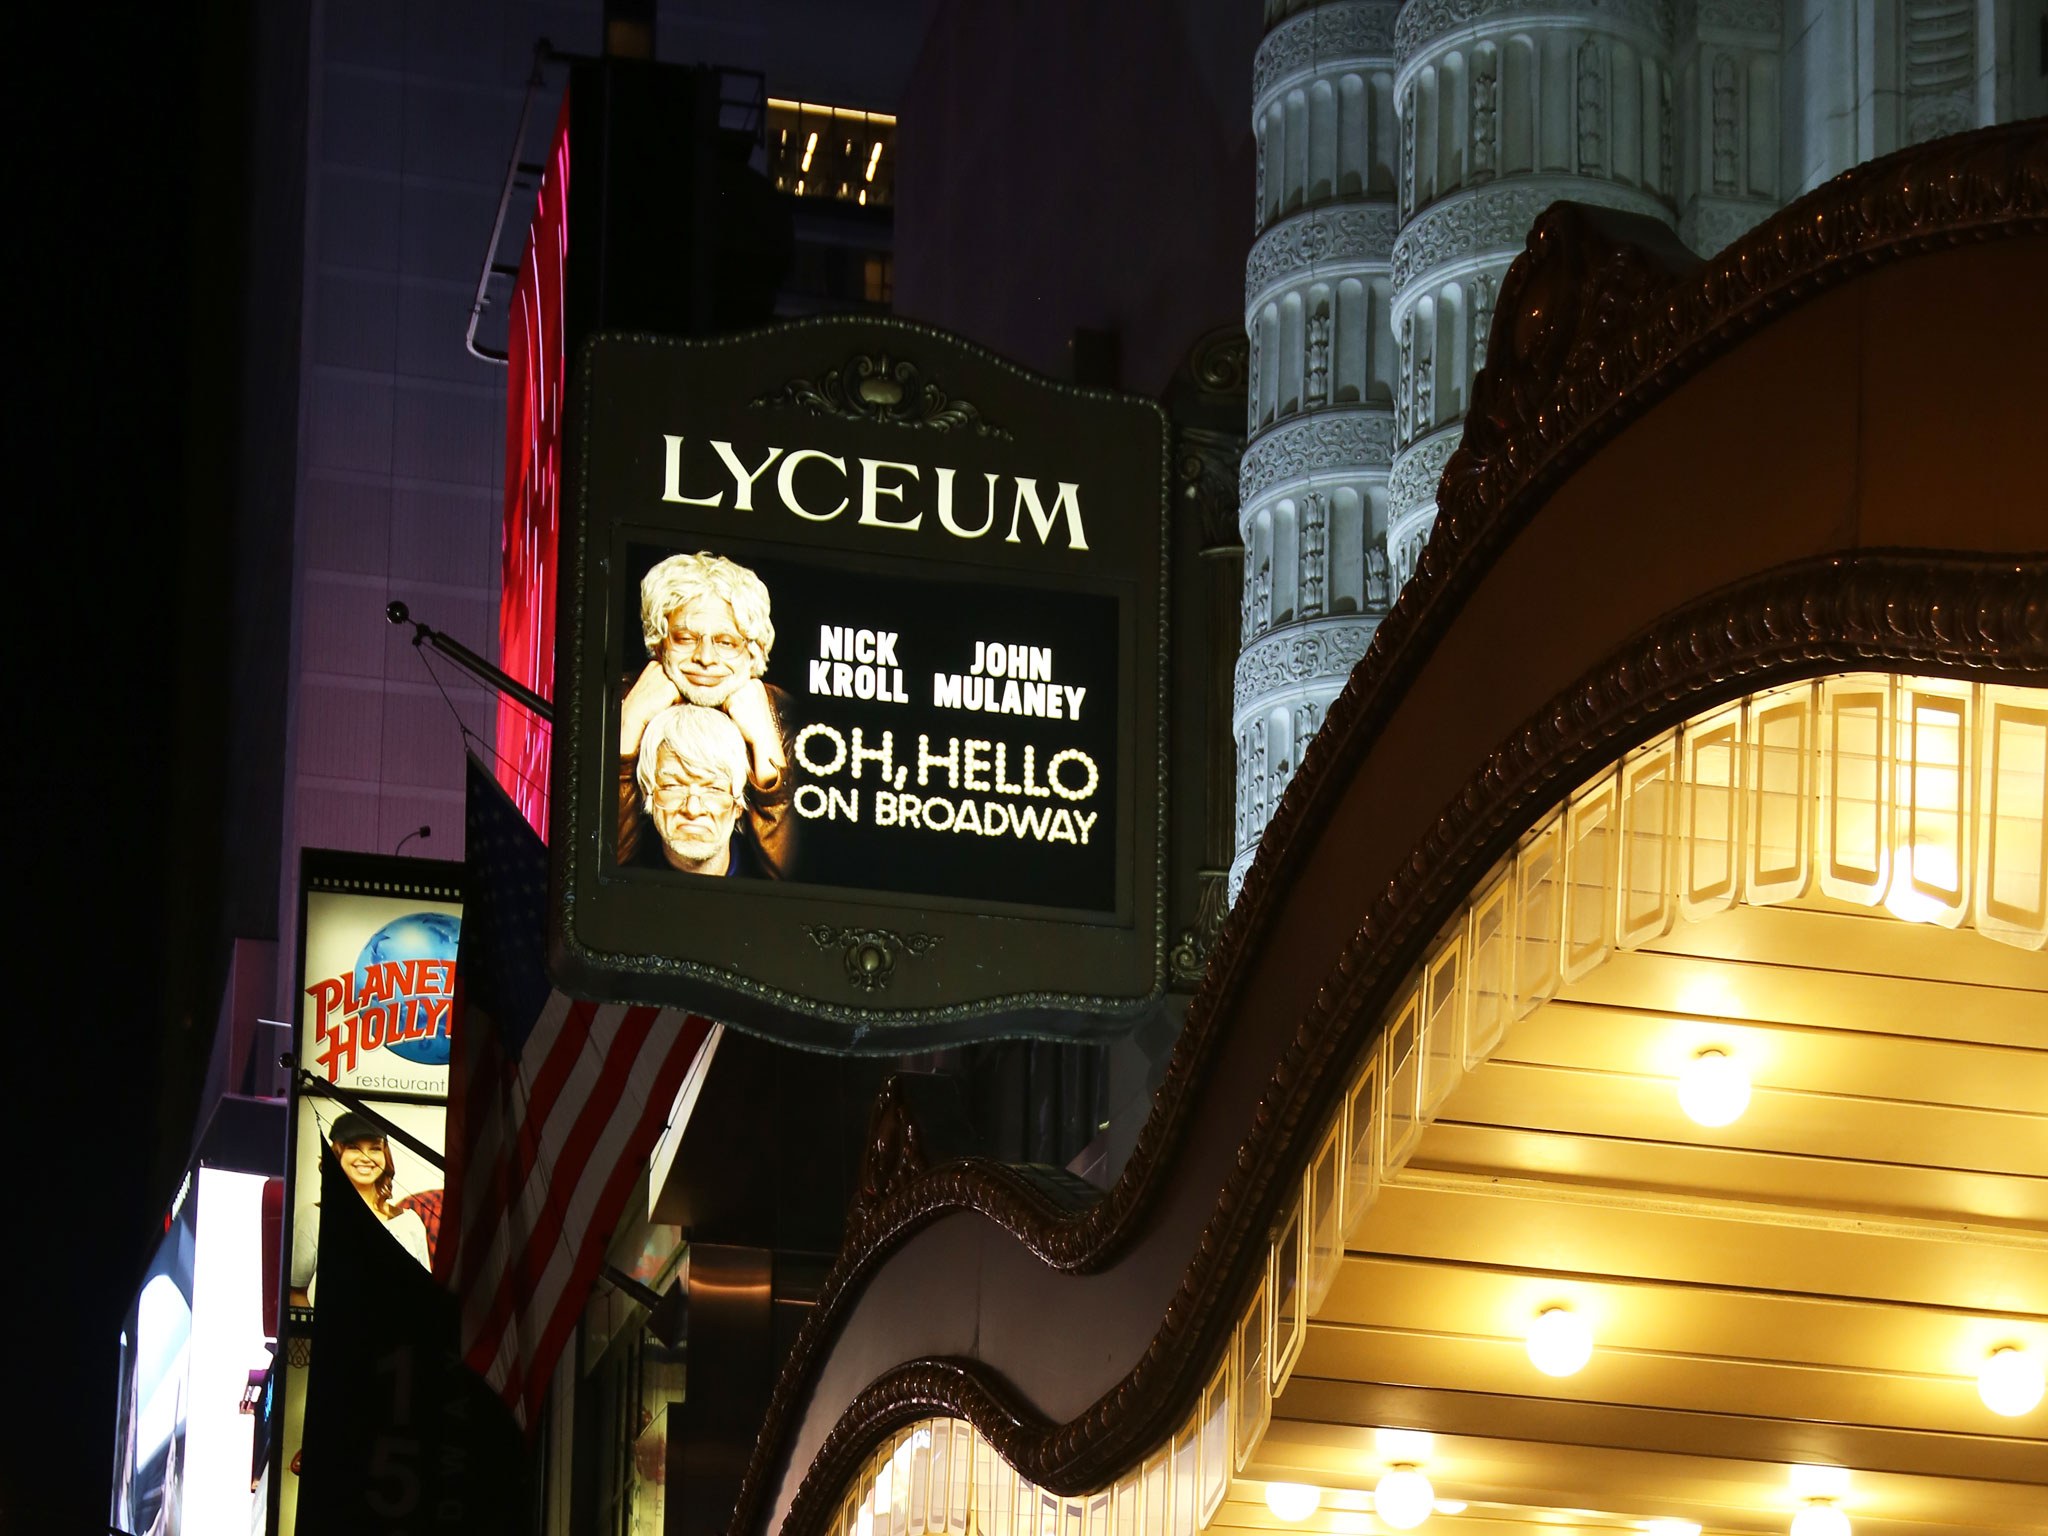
<point>835,154</point>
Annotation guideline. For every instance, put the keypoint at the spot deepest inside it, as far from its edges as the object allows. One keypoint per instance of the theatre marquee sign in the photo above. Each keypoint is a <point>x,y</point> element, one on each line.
<point>860,687</point>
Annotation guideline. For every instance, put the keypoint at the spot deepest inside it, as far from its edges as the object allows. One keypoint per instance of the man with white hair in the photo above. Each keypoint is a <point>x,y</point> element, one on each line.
<point>692,778</point>
<point>706,624</point>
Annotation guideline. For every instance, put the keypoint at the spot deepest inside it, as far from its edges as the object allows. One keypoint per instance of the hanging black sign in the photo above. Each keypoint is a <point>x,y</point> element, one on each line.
<point>860,729</point>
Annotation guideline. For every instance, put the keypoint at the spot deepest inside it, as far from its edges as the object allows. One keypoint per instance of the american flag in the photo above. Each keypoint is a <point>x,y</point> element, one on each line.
<point>554,1106</point>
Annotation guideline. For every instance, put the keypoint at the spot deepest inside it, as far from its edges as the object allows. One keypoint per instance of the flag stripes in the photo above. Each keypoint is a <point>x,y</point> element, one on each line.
<point>557,1104</point>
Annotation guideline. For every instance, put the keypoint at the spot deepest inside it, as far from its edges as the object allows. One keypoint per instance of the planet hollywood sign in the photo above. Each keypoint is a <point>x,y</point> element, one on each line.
<point>860,690</point>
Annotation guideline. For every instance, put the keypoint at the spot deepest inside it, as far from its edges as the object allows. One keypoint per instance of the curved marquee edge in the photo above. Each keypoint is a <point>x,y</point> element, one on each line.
<point>1611,348</point>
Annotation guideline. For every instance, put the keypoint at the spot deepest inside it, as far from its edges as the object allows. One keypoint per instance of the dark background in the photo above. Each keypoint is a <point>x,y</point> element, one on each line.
<point>937,623</point>
<point>125,155</point>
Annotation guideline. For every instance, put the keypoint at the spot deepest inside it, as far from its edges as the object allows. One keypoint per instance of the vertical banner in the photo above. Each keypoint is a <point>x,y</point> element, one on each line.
<point>378,940</point>
<point>401,1436</point>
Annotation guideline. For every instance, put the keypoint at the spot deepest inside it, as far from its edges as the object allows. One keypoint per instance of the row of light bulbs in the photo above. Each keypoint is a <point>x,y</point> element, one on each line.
<point>1404,1498</point>
<point>2011,1382</point>
<point>1713,1090</point>
<point>1560,1342</point>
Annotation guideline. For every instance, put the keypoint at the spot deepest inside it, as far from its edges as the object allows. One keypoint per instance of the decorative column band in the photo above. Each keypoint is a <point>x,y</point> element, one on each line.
<point>1301,653</point>
<point>1340,440</point>
<point>1424,23</point>
<point>1333,240</point>
<point>1332,36</point>
<point>1481,225</point>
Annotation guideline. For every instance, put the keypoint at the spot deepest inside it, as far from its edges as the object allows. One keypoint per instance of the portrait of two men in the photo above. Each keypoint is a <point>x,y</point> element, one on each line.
<point>705,780</point>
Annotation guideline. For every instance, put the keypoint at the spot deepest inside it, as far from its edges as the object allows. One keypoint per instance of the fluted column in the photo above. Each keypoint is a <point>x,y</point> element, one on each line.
<point>1320,396</point>
<point>1728,65</point>
<point>1504,107</point>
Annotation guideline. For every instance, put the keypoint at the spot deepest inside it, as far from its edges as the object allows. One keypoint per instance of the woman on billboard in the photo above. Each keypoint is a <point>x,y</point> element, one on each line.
<point>365,1157</point>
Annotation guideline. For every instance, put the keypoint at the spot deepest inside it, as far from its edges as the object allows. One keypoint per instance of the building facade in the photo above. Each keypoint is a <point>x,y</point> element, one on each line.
<point>1440,1219</point>
<point>1404,151</point>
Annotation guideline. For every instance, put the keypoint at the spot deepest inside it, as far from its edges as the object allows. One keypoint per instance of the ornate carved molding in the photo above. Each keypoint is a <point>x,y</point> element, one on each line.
<point>1418,469</point>
<point>1897,612</point>
<point>1713,224</point>
<point>1561,380</point>
<point>1423,22</point>
<point>1758,19</point>
<point>1353,439</point>
<point>1493,220</point>
<point>1300,653</point>
<point>1357,236</point>
<point>1331,35</point>
<point>882,388</point>
<point>870,954</point>
<point>1220,361</point>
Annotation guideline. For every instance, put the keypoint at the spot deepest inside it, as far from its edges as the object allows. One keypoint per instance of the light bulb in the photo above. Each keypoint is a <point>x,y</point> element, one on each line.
<point>1450,1506</point>
<point>1818,1480</point>
<point>1398,1446</point>
<point>1403,1498</point>
<point>1820,1518</point>
<point>1560,1342</point>
<point>1713,1089</point>
<point>1292,1501</point>
<point>2011,1382</point>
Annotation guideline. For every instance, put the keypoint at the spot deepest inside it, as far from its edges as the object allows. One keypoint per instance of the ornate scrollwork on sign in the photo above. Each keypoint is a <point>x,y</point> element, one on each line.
<point>870,954</point>
<point>1205,468</point>
<point>1190,954</point>
<point>1220,361</point>
<point>883,388</point>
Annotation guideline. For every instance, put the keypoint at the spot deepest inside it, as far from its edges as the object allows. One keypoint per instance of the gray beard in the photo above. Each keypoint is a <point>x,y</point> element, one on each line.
<point>710,698</point>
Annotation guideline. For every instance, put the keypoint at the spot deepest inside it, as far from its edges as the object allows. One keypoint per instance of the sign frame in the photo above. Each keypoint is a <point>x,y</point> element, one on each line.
<point>838,968</point>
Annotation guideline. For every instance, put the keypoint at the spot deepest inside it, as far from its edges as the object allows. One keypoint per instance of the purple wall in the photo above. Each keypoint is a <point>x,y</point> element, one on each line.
<point>1068,164</point>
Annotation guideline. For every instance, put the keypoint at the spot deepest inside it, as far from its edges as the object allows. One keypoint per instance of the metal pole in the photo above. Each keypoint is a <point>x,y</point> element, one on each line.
<point>490,676</point>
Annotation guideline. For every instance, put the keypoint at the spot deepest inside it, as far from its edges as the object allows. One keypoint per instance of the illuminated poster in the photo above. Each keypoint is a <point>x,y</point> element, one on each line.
<point>867,730</point>
<point>156,1383</point>
<point>380,984</point>
<point>395,1181</point>
<point>378,941</point>
<point>533,463</point>
<point>861,688</point>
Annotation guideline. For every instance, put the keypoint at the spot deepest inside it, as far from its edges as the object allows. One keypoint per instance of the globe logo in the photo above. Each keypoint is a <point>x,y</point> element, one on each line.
<point>416,936</point>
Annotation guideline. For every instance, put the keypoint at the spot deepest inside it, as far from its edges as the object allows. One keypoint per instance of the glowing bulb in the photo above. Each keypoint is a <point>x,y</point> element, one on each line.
<point>1933,864</point>
<point>1403,1498</point>
<point>1292,1501</point>
<point>1396,1446</point>
<point>1713,1090</point>
<point>1560,1342</point>
<point>2011,1382</point>
<point>1450,1506</point>
<point>1816,1480</point>
<point>1820,1518</point>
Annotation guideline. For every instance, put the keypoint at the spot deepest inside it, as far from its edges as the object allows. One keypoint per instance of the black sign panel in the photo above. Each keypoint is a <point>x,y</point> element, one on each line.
<point>861,671</point>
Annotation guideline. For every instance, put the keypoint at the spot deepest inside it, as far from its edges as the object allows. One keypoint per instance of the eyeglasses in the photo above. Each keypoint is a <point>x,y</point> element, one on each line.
<point>696,797</point>
<point>725,647</point>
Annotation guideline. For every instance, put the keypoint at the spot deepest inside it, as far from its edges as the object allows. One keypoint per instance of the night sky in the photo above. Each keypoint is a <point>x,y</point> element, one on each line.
<point>124,138</point>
